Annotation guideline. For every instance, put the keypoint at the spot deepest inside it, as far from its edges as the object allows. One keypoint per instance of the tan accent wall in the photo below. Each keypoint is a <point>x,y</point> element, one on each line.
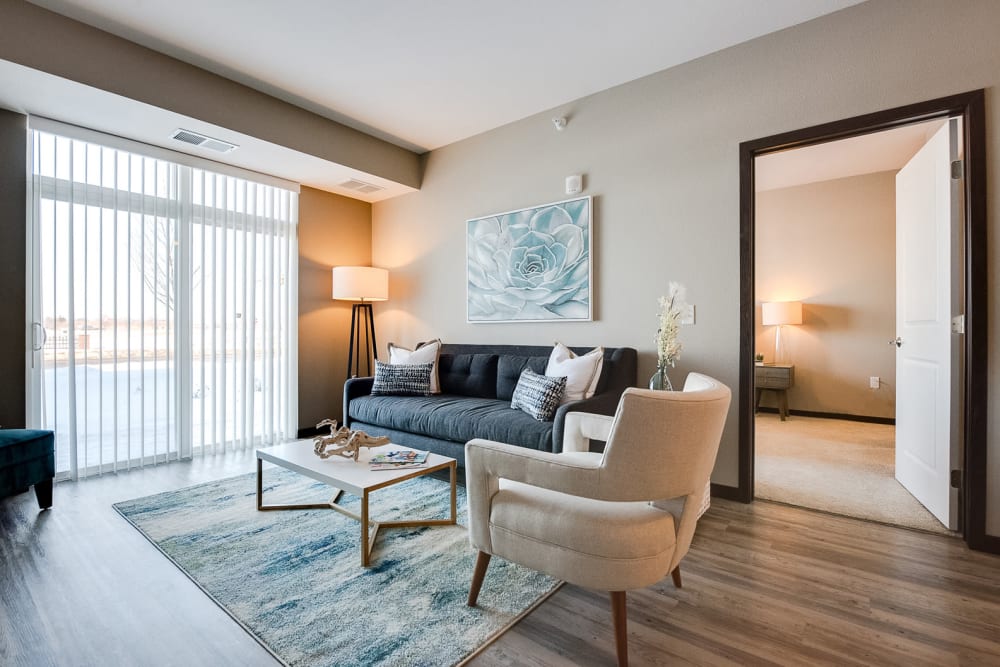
<point>661,157</point>
<point>832,245</point>
<point>333,231</point>
<point>46,41</point>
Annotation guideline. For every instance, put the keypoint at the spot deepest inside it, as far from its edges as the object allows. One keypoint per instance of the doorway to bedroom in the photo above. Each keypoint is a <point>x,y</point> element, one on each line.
<point>859,243</point>
<point>827,285</point>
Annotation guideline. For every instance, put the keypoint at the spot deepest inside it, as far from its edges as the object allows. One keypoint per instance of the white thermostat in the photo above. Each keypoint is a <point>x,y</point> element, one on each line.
<point>574,184</point>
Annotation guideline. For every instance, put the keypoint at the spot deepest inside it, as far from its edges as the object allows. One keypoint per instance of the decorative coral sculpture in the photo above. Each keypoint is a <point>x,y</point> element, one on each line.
<point>343,441</point>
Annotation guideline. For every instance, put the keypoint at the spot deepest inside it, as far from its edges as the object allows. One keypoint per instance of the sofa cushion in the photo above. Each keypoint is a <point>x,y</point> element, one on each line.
<point>610,530</point>
<point>468,374</point>
<point>589,538</point>
<point>454,418</point>
<point>509,369</point>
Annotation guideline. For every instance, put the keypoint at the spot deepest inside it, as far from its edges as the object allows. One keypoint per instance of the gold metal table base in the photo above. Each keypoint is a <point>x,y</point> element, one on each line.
<point>369,528</point>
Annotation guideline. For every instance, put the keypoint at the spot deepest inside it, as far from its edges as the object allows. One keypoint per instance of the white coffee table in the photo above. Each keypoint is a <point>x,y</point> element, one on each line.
<point>345,474</point>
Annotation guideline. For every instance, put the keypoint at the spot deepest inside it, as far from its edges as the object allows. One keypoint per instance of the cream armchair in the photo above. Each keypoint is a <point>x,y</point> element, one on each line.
<point>615,521</point>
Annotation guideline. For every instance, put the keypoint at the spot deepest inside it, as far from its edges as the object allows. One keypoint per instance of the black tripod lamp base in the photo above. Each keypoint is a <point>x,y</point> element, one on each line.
<point>361,319</point>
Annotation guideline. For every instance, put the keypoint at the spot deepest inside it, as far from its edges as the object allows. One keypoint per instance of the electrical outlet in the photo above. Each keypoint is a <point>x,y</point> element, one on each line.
<point>873,382</point>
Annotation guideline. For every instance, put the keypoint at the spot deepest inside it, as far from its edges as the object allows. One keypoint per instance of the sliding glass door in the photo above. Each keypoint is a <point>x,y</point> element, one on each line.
<point>162,303</point>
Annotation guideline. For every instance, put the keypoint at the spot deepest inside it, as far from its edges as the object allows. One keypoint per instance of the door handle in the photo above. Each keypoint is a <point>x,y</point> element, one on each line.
<point>45,336</point>
<point>898,342</point>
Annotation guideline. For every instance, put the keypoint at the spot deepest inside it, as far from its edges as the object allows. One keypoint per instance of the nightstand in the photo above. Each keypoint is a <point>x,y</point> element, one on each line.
<point>773,377</point>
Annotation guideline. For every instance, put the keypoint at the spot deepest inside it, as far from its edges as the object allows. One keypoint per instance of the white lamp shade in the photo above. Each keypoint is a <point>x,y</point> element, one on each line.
<point>781,312</point>
<point>360,283</point>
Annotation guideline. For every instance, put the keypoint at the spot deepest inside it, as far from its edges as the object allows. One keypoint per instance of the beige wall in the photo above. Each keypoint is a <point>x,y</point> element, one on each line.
<point>333,231</point>
<point>832,245</point>
<point>661,157</point>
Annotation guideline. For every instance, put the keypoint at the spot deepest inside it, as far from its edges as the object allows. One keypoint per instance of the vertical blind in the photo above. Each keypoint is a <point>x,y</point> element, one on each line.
<point>163,307</point>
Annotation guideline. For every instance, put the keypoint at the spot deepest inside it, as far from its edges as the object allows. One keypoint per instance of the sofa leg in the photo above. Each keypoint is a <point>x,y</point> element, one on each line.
<point>43,493</point>
<point>676,574</point>
<point>482,562</point>
<point>619,616</point>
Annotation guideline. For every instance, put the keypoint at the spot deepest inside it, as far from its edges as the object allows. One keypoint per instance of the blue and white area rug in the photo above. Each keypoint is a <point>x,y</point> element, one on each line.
<point>294,580</point>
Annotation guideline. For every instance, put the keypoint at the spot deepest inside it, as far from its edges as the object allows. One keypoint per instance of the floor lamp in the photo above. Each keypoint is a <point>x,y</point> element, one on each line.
<point>363,284</point>
<point>780,313</point>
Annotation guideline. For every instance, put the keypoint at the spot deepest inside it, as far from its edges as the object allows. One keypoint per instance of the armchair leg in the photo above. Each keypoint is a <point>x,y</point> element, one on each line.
<point>676,574</point>
<point>482,562</point>
<point>43,494</point>
<point>619,617</point>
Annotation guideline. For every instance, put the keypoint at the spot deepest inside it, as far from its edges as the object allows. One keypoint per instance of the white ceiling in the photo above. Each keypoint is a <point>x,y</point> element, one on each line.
<point>426,73</point>
<point>889,150</point>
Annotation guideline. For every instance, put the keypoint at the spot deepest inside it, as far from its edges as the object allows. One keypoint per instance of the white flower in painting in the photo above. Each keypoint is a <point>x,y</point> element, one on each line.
<point>532,267</point>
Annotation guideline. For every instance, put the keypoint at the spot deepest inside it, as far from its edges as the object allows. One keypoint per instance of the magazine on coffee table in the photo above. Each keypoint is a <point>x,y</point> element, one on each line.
<point>398,459</point>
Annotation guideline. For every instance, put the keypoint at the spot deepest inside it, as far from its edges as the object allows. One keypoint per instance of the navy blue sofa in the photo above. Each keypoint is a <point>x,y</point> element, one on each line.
<point>477,382</point>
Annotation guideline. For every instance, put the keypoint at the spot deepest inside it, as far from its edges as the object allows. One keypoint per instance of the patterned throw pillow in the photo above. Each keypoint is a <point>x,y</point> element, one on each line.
<point>538,395</point>
<point>402,379</point>
<point>421,354</point>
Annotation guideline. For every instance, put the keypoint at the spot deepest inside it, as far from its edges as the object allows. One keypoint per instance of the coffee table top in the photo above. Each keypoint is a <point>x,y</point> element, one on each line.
<point>343,473</point>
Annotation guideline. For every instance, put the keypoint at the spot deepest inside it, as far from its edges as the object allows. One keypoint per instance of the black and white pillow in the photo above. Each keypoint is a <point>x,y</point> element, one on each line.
<point>538,395</point>
<point>421,354</point>
<point>402,379</point>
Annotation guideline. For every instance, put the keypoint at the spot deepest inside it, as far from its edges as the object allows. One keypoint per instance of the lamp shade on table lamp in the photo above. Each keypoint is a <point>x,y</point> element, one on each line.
<point>780,313</point>
<point>363,284</point>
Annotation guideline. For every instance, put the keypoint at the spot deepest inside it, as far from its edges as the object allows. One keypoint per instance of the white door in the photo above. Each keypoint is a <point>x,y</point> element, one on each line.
<point>923,327</point>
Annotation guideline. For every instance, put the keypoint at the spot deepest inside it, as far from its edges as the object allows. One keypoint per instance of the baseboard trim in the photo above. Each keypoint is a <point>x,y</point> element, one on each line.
<point>989,544</point>
<point>834,415</point>
<point>726,492</point>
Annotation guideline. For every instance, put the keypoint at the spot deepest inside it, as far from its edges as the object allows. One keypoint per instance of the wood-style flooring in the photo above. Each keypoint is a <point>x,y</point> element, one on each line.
<point>763,584</point>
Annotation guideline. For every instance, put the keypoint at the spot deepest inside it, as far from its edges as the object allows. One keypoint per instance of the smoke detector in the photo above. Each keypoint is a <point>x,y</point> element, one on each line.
<point>202,141</point>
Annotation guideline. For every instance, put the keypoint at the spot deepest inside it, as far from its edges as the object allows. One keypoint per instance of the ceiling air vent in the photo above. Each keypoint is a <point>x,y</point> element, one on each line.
<point>361,186</point>
<point>200,140</point>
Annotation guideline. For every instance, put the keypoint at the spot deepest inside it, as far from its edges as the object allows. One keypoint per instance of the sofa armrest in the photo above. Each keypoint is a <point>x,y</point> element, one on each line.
<point>355,388</point>
<point>600,404</point>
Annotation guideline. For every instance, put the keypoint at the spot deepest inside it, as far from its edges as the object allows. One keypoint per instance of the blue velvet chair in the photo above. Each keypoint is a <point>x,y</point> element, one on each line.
<point>27,458</point>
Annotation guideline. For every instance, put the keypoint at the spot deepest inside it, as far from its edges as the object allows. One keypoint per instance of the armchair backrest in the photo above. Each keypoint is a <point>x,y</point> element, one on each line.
<point>663,444</point>
<point>662,448</point>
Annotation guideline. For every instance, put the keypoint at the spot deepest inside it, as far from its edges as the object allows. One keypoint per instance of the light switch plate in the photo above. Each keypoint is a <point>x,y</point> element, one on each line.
<point>687,317</point>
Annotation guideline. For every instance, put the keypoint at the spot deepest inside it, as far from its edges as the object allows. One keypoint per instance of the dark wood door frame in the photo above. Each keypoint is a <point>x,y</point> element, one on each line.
<point>970,107</point>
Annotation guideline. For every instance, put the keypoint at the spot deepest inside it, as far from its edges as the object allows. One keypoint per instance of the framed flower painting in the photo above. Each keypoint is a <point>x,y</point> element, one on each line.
<point>531,265</point>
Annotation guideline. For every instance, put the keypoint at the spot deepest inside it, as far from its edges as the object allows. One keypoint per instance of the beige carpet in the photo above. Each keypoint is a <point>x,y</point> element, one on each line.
<point>836,466</point>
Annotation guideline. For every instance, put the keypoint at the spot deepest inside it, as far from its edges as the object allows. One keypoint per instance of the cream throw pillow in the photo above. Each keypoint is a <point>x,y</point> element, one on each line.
<point>582,372</point>
<point>424,354</point>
